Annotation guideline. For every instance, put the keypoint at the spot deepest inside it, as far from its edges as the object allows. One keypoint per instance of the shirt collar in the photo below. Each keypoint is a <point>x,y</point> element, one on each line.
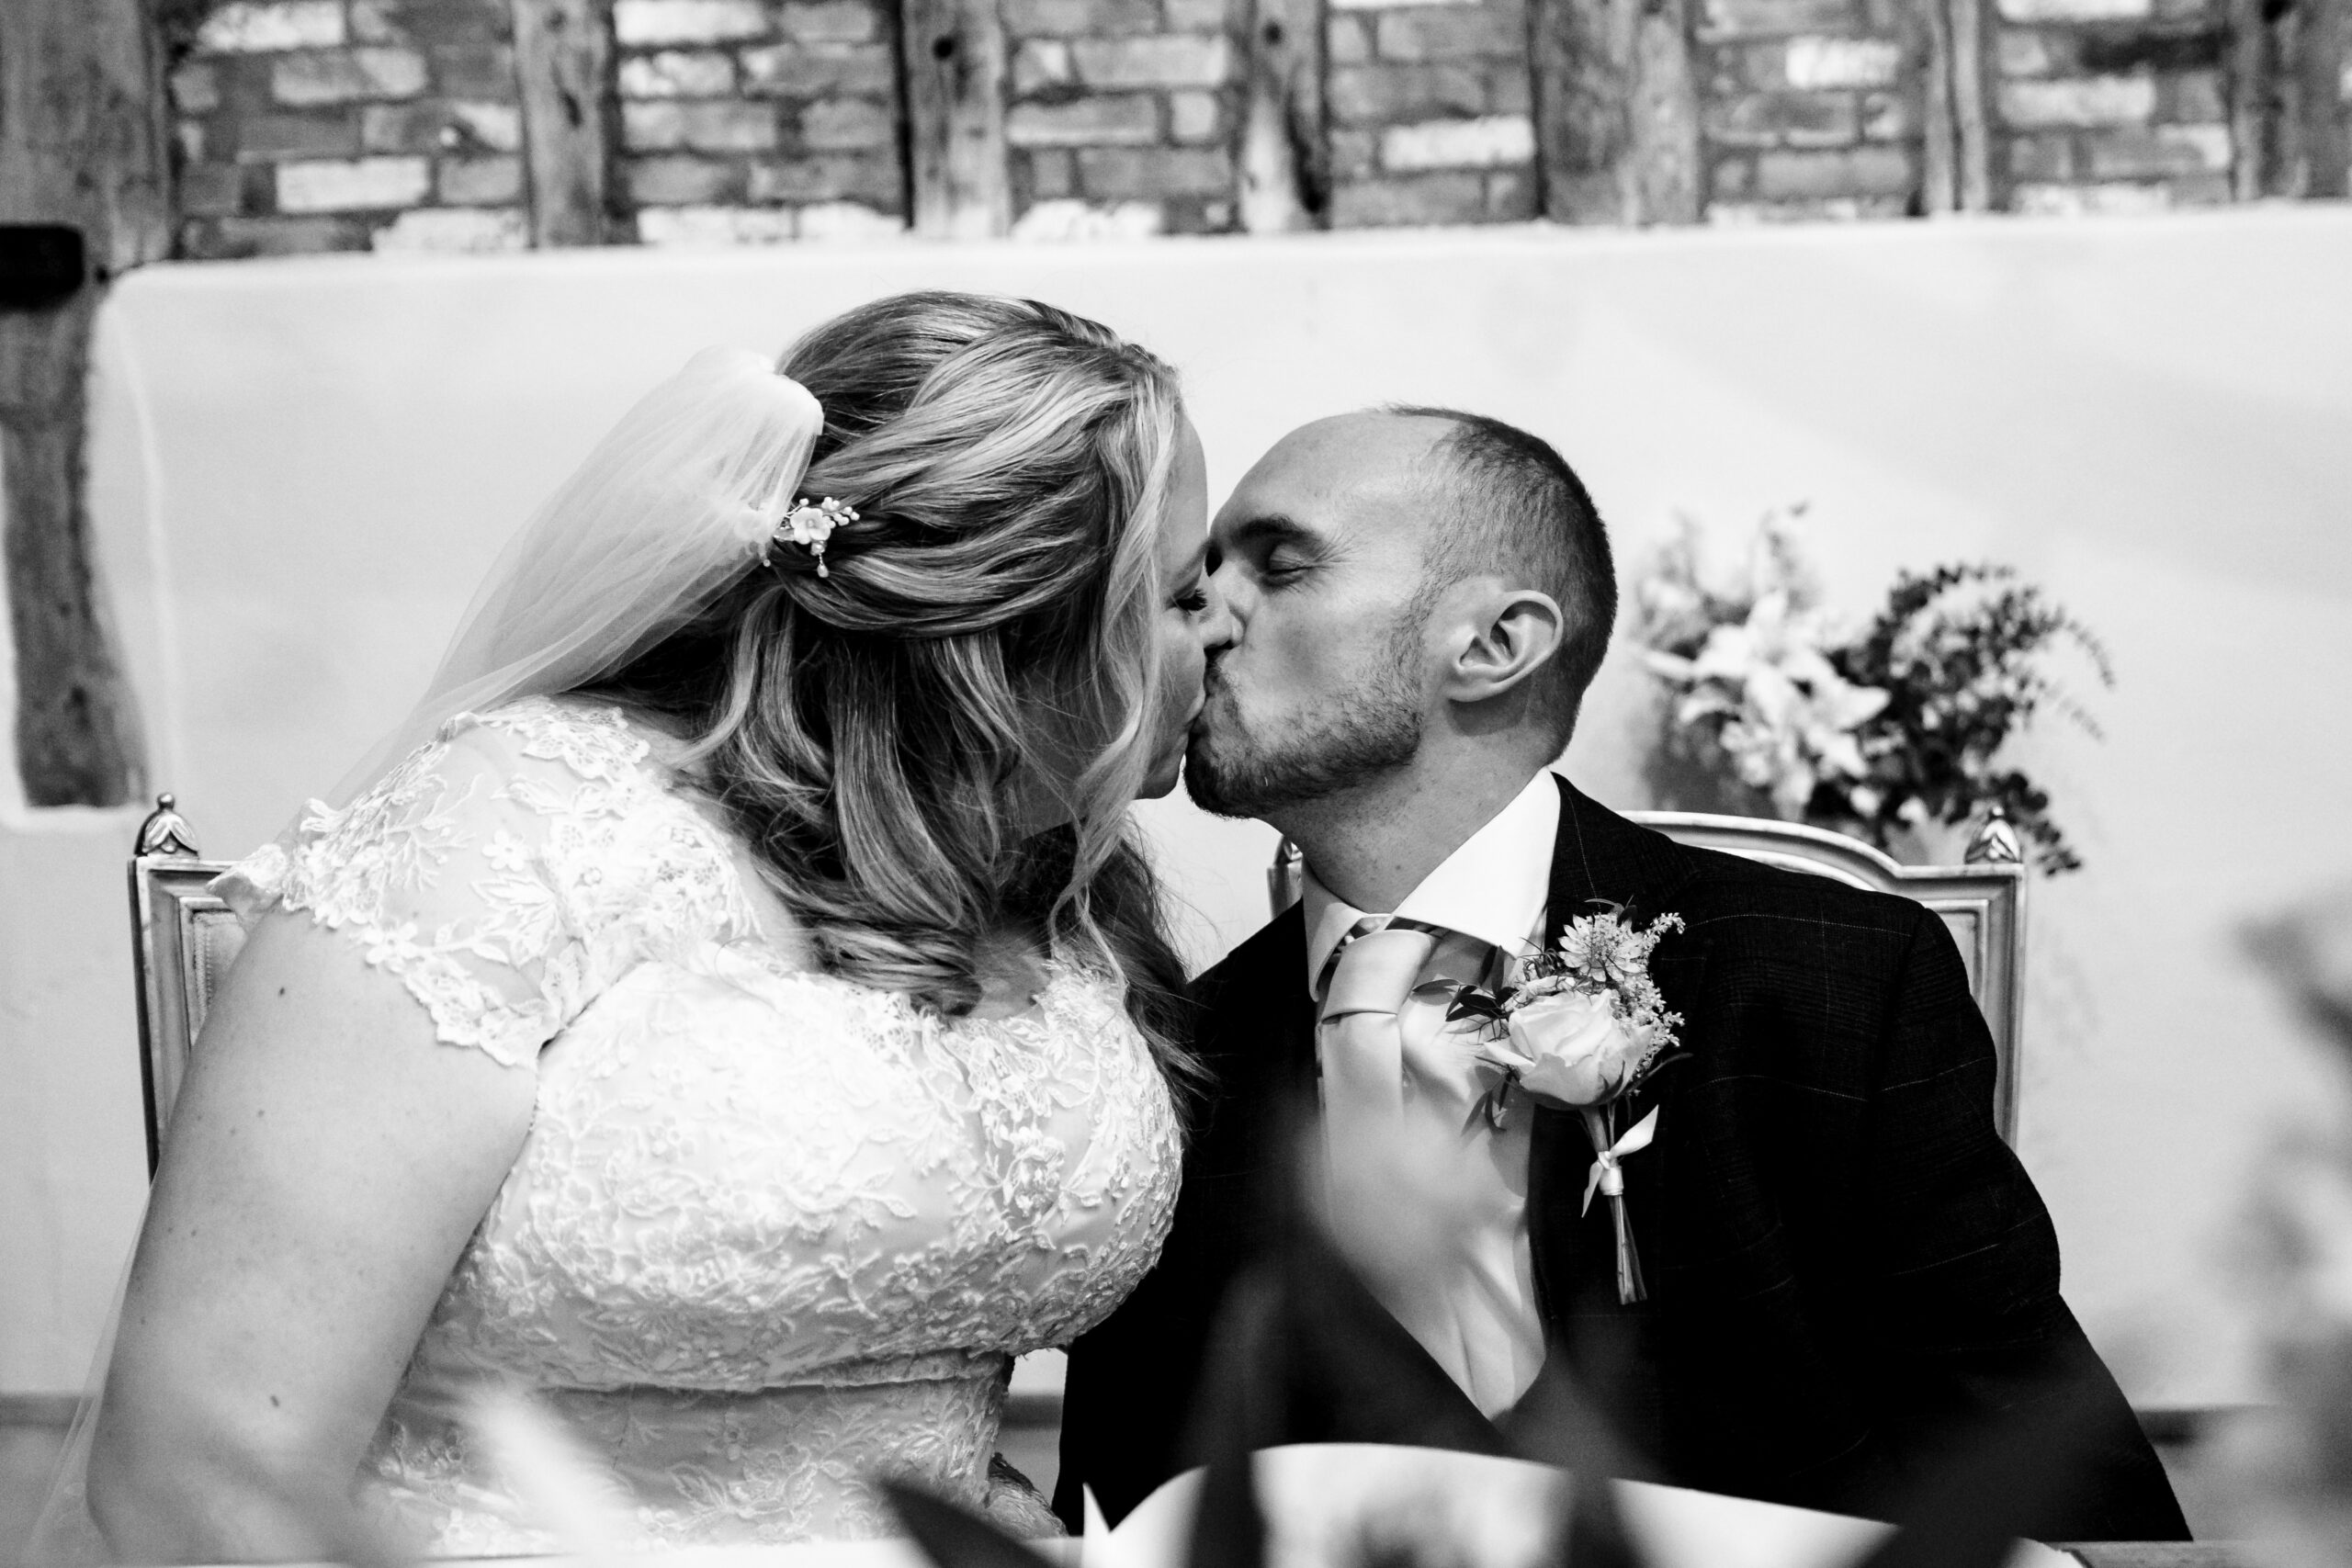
<point>1493,888</point>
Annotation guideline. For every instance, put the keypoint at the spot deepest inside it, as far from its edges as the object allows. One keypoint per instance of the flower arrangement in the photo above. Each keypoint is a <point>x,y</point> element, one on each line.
<point>1891,728</point>
<point>1582,1028</point>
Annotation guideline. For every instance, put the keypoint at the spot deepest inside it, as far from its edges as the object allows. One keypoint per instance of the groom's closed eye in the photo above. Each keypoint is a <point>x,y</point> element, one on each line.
<point>1275,549</point>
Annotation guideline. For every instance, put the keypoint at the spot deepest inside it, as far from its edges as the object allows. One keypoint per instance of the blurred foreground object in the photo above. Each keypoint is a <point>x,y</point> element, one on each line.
<point>565,1491</point>
<point>1882,731</point>
<point>1549,1486</point>
<point>1304,1327</point>
<point>1373,1505</point>
<point>2297,1464</point>
<point>2311,952</point>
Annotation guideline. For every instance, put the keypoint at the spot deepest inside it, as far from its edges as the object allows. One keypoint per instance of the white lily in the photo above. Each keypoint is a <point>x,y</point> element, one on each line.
<point>1789,719</point>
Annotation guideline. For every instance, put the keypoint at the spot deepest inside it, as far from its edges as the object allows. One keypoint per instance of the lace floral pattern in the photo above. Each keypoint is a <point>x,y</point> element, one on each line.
<point>771,1231</point>
<point>786,1465</point>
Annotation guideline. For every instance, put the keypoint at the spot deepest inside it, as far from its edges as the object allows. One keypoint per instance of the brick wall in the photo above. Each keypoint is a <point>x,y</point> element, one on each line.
<point>749,121</point>
<point>322,125</point>
<point>1814,108</point>
<point>342,124</point>
<point>2112,105</point>
<point>1429,113</point>
<point>1810,108</point>
<point>1121,116</point>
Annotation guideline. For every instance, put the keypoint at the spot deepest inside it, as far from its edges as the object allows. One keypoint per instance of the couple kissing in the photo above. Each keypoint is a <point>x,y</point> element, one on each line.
<point>733,1010</point>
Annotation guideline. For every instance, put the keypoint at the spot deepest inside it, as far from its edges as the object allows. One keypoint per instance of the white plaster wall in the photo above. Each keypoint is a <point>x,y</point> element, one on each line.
<point>299,468</point>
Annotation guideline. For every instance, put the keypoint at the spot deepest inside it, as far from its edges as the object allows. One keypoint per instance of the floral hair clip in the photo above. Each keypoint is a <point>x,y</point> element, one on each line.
<point>810,523</point>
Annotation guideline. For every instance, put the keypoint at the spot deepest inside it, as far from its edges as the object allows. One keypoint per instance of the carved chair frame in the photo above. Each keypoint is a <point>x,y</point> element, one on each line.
<point>181,937</point>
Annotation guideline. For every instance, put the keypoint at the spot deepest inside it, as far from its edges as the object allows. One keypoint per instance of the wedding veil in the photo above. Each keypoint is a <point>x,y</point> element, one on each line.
<point>678,500</point>
<point>675,504</point>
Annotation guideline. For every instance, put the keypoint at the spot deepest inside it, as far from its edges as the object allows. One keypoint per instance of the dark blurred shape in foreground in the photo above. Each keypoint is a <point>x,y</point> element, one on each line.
<point>2292,1466</point>
<point>1303,1333</point>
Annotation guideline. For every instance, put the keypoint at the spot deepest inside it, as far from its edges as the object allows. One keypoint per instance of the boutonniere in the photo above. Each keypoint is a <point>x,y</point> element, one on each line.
<point>1583,1028</point>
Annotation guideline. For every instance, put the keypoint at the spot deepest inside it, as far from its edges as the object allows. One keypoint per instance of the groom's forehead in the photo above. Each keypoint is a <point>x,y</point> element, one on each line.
<point>1348,463</point>
<point>1368,441</point>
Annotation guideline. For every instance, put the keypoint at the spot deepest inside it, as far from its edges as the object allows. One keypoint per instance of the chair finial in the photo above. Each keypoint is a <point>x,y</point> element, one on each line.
<point>166,831</point>
<point>1994,842</point>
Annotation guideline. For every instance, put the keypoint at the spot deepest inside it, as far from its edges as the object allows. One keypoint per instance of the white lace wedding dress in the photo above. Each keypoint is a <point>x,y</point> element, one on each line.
<point>772,1233</point>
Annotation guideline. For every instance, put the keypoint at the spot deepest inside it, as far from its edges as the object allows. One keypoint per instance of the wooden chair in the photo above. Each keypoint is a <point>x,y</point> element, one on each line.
<point>182,939</point>
<point>1982,902</point>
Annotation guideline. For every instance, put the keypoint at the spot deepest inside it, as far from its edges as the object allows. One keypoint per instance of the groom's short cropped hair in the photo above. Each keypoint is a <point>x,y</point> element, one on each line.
<point>1513,505</point>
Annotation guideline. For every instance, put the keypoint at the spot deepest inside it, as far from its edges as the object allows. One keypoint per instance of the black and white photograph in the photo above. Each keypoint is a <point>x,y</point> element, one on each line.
<point>1176,783</point>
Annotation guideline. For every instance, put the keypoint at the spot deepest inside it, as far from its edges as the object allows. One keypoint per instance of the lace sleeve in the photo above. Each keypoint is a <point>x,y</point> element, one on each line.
<point>441,871</point>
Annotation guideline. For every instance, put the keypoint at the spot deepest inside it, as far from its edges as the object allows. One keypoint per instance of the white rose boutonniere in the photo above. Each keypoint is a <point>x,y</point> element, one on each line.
<point>1582,1030</point>
<point>1570,1049</point>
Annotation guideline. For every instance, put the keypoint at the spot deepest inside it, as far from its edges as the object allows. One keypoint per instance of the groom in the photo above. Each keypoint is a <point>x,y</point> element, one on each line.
<point>1848,1272</point>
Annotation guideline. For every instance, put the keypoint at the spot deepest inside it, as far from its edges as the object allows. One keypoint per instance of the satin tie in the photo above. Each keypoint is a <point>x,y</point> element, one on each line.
<point>1361,1049</point>
<point>1387,1055</point>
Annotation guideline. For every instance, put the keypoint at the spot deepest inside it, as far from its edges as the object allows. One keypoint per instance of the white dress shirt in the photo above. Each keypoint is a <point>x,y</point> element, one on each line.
<point>1488,1338</point>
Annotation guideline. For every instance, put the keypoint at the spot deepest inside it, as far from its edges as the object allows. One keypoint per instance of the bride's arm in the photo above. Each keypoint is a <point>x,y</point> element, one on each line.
<point>327,1159</point>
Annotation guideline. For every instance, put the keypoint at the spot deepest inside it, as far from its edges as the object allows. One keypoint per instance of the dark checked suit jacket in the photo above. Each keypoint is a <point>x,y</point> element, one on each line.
<point>1849,1270</point>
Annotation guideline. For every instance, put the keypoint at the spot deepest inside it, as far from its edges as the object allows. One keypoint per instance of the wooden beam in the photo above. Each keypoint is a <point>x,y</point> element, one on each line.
<point>1286,140</point>
<point>1668,185</point>
<point>2251,97</point>
<point>564,52</point>
<point>81,144</point>
<point>954,56</point>
<point>2323,136</point>
<point>2288,133</point>
<point>1958,164</point>
<point>1581,130</point>
<point>1616,111</point>
<point>1971,112</point>
<point>1940,154</point>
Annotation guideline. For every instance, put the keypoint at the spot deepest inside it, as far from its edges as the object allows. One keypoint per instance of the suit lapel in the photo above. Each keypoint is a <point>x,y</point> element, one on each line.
<point>1261,1017</point>
<point>1259,1045</point>
<point>1290,1014</point>
<point>1600,858</point>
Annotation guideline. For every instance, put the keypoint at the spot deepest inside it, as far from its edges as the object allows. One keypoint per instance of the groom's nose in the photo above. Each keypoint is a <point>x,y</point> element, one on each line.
<point>1218,628</point>
<point>1229,601</point>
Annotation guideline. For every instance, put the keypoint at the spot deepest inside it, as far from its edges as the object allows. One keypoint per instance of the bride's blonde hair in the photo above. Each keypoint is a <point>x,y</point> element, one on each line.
<point>866,729</point>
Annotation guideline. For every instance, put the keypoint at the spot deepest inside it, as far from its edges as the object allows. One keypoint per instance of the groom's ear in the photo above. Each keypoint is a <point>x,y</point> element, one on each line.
<point>1505,636</point>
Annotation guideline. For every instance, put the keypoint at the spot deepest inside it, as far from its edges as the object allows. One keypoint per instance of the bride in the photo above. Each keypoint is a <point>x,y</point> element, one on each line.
<point>731,1009</point>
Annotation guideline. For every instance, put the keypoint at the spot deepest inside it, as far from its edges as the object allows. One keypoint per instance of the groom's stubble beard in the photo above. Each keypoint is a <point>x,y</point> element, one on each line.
<point>1367,732</point>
